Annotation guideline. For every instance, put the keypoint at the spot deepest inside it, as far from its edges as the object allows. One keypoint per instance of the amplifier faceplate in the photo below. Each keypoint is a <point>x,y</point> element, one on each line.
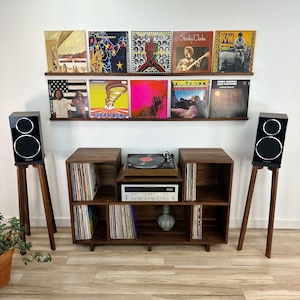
<point>149,192</point>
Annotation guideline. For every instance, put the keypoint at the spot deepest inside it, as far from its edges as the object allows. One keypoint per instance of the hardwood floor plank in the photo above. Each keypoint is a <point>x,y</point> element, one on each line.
<point>167,272</point>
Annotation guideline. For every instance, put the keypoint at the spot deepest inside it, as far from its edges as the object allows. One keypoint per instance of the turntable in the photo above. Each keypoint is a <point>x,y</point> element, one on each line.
<point>150,165</point>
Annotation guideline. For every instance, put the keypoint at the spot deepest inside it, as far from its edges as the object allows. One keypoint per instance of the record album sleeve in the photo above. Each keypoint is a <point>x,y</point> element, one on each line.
<point>68,98</point>
<point>108,99</point>
<point>66,51</point>
<point>190,99</point>
<point>234,51</point>
<point>149,99</point>
<point>151,51</point>
<point>229,98</point>
<point>108,51</point>
<point>192,51</point>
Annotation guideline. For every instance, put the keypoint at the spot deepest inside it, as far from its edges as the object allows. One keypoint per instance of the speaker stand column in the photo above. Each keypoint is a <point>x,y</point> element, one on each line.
<point>23,200</point>
<point>47,203</point>
<point>271,212</point>
<point>247,207</point>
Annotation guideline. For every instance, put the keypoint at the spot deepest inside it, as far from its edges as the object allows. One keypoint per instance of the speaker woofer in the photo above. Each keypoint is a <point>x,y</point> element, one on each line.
<point>268,148</point>
<point>27,146</point>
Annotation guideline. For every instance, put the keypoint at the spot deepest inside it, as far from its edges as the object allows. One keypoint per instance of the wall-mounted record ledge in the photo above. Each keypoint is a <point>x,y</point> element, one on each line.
<point>149,119</point>
<point>151,74</point>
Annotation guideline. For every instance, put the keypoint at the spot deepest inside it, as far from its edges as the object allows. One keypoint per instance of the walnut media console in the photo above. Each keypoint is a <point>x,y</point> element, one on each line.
<point>100,216</point>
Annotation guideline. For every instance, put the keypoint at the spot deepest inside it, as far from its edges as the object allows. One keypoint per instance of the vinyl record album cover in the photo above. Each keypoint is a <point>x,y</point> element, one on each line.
<point>108,51</point>
<point>68,99</point>
<point>192,51</point>
<point>109,99</point>
<point>151,51</point>
<point>66,51</point>
<point>149,99</point>
<point>234,51</point>
<point>229,98</point>
<point>189,99</point>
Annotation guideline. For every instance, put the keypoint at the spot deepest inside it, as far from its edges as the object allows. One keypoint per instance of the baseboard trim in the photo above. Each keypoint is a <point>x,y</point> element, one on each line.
<point>259,223</point>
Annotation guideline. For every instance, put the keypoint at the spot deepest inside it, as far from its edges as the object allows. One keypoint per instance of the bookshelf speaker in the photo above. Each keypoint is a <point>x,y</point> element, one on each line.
<point>270,139</point>
<point>27,137</point>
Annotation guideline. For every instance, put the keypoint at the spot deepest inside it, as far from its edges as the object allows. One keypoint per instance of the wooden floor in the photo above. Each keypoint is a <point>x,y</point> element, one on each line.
<point>166,272</point>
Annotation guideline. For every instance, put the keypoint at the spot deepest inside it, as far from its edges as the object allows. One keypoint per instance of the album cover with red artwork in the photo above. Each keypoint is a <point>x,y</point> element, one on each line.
<point>151,51</point>
<point>192,51</point>
<point>149,99</point>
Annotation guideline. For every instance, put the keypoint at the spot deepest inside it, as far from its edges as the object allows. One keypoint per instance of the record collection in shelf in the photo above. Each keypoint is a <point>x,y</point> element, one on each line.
<point>190,188</point>
<point>85,221</point>
<point>84,181</point>
<point>122,223</point>
<point>197,222</point>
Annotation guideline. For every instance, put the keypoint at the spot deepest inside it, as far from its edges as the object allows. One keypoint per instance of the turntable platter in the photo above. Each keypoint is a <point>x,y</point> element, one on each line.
<point>146,161</point>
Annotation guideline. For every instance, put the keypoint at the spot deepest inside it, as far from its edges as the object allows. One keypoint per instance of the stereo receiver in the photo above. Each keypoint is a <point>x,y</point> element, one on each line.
<point>149,192</point>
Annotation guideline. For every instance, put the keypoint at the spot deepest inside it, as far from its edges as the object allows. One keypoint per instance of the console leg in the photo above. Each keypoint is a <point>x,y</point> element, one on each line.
<point>207,248</point>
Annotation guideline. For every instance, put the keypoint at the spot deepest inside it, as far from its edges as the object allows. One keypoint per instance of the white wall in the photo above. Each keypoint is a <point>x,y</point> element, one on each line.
<point>274,88</point>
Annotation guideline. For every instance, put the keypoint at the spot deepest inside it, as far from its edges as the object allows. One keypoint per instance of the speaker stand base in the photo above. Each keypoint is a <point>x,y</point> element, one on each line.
<point>23,200</point>
<point>271,211</point>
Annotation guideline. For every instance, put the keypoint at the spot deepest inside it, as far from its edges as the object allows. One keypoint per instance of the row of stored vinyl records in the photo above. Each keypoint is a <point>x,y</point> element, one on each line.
<point>85,221</point>
<point>191,175</point>
<point>121,221</point>
<point>84,181</point>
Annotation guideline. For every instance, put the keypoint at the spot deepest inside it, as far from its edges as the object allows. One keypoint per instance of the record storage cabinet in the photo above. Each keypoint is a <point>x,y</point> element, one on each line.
<point>103,218</point>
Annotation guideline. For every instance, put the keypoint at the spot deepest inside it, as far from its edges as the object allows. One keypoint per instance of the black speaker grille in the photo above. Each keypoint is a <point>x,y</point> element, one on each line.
<point>27,146</point>
<point>24,125</point>
<point>272,127</point>
<point>268,148</point>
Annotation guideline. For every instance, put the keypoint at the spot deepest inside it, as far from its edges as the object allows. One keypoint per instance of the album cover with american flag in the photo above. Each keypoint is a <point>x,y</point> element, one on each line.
<point>68,99</point>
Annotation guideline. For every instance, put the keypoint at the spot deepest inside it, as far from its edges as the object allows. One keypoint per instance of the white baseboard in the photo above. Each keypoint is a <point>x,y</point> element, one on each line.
<point>41,222</point>
<point>259,223</point>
